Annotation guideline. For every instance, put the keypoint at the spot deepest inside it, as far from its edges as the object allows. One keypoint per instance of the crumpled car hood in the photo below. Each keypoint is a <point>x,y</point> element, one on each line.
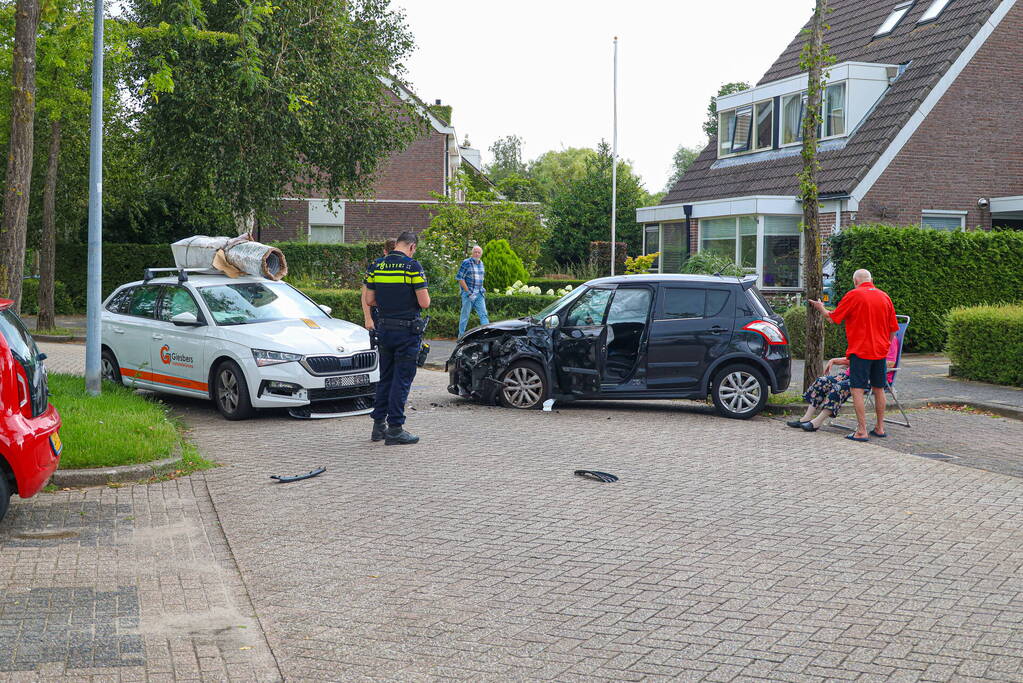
<point>501,326</point>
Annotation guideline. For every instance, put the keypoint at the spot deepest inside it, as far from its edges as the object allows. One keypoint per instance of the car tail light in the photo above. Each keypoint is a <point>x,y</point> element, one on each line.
<point>768,330</point>
<point>23,393</point>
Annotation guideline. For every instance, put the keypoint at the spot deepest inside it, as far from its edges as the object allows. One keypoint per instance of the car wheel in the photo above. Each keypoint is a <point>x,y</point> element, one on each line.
<point>231,392</point>
<point>109,368</point>
<point>739,392</point>
<point>6,491</point>
<point>525,386</point>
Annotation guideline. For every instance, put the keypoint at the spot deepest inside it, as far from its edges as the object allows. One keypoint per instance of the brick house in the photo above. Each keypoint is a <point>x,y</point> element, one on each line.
<point>919,128</point>
<point>403,186</point>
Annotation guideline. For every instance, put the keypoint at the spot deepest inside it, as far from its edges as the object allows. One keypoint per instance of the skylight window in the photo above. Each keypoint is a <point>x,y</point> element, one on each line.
<point>932,13</point>
<point>897,15</point>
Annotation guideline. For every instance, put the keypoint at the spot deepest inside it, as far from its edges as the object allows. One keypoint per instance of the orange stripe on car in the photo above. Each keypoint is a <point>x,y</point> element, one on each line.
<point>165,379</point>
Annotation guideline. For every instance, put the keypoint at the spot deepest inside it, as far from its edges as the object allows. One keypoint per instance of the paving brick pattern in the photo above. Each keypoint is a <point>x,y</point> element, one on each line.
<point>134,583</point>
<point>728,550</point>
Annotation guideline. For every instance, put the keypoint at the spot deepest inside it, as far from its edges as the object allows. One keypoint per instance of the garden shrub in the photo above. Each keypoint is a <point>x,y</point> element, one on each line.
<point>503,266</point>
<point>62,303</point>
<point>795,325</point>
<point>330,265</point>
<point>929,272</point>
<point>985,343</point>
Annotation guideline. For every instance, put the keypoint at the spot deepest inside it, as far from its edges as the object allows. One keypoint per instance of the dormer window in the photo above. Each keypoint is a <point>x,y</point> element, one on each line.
<point>934,11</point>
<point>746,129</point>
<point>833,114</point>
<point>893,20</point>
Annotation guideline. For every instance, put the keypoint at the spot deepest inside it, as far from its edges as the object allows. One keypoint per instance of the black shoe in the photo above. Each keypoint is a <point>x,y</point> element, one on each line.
<point>397,436</point>
<point>809,427</point>
<point>795,424</point>
<point>379,427</point>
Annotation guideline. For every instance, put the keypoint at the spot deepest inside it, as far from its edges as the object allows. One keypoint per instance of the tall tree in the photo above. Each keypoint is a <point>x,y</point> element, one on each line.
<point>553,171</point>
<point>710,126</point>
<point>680,163</point>
<point>580,213</point>
<point>14,225</point>
<point>507,153</point>
<point>289,101</point>
<point>815,59</point>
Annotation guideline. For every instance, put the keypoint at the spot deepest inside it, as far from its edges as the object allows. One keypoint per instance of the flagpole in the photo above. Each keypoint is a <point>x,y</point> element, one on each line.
<point>614,163</point>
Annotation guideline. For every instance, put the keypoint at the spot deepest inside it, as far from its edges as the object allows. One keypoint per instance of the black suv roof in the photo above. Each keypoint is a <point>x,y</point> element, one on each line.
<point>654,278</point>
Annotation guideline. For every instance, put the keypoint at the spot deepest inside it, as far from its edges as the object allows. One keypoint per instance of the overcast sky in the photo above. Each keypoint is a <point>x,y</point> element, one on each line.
<point>542,70</point>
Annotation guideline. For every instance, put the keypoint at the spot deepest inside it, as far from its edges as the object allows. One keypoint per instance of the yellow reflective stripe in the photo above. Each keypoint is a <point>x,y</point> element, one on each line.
<point>417,280</point>
<point>390,279</point>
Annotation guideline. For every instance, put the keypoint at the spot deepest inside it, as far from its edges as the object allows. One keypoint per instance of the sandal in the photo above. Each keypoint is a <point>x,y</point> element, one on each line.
<point>873,432</point>
<point>853,437</point>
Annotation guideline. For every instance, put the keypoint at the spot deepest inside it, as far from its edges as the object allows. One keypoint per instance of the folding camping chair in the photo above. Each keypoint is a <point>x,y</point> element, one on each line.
<point>889,385</point>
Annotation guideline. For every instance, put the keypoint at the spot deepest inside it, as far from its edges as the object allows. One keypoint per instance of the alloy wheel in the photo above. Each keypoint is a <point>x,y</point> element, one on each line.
<point>523,387</point>
<point>107,370</point>
<point>740,392</point>
<point>227,390</point>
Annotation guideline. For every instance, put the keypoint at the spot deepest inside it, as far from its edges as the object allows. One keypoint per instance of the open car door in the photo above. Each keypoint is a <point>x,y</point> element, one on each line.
<point>580,343</point>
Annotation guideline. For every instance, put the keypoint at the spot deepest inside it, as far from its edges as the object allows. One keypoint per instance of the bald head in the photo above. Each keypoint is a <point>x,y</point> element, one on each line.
<point>862,275</point>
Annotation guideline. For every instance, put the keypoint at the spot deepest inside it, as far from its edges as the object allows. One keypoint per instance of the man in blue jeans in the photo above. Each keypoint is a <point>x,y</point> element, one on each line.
<point>397,287</point>
<point>470,281</point>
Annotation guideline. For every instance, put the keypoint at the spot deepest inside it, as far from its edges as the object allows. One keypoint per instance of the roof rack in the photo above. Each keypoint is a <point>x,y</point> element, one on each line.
<point>150,273</point>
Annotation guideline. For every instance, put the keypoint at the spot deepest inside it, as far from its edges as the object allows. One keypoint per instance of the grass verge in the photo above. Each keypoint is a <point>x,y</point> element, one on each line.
<point>119,427</point>
<point>57,332</point>
<point>785,398</point>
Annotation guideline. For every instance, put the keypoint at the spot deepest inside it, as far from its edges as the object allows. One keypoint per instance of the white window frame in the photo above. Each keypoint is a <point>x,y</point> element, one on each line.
<point>753,129</point>
<point>761,240</point>
<point>897,15</point>
<point>933,12</point>
<point>824,115</point>
<point>961,215</point>
<point>309,238</point>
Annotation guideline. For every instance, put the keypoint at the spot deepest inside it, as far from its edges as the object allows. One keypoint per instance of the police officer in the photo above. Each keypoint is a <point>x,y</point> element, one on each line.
<point>397,287</point>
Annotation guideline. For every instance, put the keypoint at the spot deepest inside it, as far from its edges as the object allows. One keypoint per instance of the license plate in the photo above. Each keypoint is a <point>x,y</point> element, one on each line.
<point>346,381</point>
<point>56,444</point>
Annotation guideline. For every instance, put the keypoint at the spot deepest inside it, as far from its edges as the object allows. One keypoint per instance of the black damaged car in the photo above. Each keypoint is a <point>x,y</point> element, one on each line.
<point>633,337</point>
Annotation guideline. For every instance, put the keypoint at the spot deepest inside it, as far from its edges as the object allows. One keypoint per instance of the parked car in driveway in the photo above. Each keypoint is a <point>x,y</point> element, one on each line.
<point>29,426</point>
<point>244,342</point>
<point>633,337</point>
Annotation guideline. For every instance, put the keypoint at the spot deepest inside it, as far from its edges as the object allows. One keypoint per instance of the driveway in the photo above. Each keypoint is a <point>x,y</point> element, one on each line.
<point>727,551</point>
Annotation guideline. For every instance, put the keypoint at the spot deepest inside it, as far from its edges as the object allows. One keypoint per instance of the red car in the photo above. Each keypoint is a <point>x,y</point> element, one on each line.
<point>29,443</point>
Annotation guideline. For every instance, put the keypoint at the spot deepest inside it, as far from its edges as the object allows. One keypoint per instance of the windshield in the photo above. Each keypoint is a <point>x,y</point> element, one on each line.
<point>257,302</point>
<point>25,351</point>
<point>558,304</point>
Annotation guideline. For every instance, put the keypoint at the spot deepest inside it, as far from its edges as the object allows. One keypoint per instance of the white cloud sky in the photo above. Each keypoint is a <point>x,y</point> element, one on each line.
<point>542,69</point>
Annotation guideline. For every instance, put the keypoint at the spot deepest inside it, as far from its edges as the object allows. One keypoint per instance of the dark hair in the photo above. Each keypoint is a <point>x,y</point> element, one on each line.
<point>389,244</point>
<point>408,237</point>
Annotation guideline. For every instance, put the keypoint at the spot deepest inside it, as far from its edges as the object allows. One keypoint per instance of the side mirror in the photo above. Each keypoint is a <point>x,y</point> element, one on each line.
<point>186,319</point>
<point>551,322</point>
<point>325,309</point>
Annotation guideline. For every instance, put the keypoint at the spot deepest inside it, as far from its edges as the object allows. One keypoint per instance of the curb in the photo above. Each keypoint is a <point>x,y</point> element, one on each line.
<point>100,476</point>
<point>912,404</point>
<point>59,339</point>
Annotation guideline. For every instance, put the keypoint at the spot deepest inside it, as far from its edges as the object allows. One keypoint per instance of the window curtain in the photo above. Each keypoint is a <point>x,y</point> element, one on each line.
<point>783,242</point>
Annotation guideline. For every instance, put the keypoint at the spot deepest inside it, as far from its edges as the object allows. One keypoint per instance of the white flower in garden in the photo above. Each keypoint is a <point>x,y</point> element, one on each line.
<point>550,292</point>
<point>518,283</point>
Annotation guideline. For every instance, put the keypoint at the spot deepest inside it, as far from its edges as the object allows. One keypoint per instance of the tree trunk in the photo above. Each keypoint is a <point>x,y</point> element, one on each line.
<point>14,225</point>
<point>813,59</point>
<point>48,241</point>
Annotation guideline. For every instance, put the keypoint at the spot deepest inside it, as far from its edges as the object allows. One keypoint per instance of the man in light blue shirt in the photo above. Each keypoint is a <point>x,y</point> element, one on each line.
<point>470,281</point>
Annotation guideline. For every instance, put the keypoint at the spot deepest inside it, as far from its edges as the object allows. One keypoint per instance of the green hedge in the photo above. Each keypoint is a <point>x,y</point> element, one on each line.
<point>336,265</point>
<point>444,309</point>
<point>795,324</point>
<point>929,272</point>
<point>62,302</point>
<point>985,343</point>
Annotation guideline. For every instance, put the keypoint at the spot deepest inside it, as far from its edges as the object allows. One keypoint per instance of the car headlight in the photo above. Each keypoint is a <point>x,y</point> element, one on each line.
<point>264,357</point>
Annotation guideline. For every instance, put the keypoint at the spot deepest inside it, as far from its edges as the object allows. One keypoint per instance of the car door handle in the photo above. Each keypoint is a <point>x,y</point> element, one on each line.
<point>118,330</point>
<point>717,329</point>
<point>157,336</point>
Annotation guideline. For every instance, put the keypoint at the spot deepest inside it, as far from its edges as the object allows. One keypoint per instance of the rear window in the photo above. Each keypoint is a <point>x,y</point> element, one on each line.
<point>26,353</point>
<point>760,303</point>
<point>686,303</point>
<point>120,302</point>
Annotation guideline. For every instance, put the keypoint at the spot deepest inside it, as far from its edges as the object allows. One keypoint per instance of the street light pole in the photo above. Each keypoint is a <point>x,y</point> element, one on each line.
<point>614,164</point>
<point>93,295</point>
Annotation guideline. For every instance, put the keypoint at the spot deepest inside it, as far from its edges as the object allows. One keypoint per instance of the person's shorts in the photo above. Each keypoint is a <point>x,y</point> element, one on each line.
<point>864,374</point>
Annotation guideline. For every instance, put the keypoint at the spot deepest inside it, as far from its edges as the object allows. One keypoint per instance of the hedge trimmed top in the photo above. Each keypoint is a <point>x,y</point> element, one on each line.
<point>929,272</point>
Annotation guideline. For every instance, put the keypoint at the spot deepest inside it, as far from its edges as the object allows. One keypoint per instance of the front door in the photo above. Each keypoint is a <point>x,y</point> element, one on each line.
<point>176,353</point>
<point>581,342</point>
<point>692,327</point>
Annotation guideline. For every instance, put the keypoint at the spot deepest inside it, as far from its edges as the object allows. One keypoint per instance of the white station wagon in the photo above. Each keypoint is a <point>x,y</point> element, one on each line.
<point>244,342</point>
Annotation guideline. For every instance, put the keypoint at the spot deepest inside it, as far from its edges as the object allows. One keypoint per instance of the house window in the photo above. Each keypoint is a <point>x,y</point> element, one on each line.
<point>742,130</point>
<point>934,11</point>
<point>782,250</point>
<point>732,238</point>
<point>765,125</point>
<point>951,221</point>
<point>834,110</point>
<point>900,11</point>
<point>652,243</point>
<point>326,234</point>
<point>793,107</point>
<point>726,127</point>
<point>673,247</point>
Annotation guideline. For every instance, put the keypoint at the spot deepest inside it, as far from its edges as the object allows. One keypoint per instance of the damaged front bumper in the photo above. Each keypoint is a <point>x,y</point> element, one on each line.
<point>478,363</point>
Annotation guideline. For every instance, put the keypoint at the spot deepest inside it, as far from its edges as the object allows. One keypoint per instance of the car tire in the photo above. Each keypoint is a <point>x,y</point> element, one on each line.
<point>6,491</point>
<point>231,392</point>
<point>110,370</point>
<point>739,392</point>
<point>525,386</point>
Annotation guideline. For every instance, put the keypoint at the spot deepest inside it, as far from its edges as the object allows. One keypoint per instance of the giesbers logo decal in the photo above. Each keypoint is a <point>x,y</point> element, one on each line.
<point>177,359</point>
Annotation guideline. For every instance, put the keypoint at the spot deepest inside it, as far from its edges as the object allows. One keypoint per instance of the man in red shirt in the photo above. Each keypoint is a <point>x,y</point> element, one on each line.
<point>870,324</point>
